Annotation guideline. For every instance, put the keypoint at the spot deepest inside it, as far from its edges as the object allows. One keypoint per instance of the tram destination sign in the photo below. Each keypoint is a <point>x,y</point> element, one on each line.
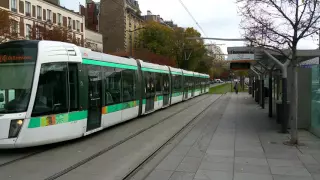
<point>240,65</point>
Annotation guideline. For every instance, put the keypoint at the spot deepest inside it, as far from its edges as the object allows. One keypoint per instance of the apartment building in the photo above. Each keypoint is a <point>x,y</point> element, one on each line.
<point>120,24</point>
<point>159,19</point>
<point>48,13</point>
<point>91,11</point>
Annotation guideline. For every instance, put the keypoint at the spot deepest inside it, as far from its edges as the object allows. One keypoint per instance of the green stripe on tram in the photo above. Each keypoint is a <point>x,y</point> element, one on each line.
<point>108,64</point>
<point>154,70</point>
<point>57,119</point>
<point>177,73</point>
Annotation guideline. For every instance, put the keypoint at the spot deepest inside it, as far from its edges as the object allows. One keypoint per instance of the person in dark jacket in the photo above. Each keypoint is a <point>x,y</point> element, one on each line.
<point>236,88</point>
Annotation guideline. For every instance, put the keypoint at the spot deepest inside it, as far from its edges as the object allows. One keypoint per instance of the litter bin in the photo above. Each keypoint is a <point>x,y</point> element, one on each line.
<point>279,109</point>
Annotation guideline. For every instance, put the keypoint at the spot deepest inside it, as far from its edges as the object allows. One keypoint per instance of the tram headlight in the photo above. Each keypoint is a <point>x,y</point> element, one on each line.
<point>15,127</point>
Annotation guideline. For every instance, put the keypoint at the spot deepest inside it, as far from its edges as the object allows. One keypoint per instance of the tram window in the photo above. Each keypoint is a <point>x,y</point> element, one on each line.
<point>158,83</point>
<point>112,78</point>
<point>129,82</point>
<point>177,83</point>
<point>52,93</point>
<point>74,88</point>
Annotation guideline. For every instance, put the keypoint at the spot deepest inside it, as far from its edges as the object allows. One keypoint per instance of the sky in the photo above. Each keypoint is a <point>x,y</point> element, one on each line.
<point>217,18</point>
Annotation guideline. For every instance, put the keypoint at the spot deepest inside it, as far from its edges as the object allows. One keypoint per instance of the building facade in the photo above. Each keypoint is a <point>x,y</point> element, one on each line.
<point>27,14</point>
<point>93,41</point>
<point>91,11</point>
<point>120,24</point>
<point>158,19</point>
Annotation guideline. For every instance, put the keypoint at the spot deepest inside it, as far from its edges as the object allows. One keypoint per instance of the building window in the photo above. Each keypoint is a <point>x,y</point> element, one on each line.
<point>49,15</point>
<point>39,12</point>
<point>59,19</point>
<point>78,26</point>
<point>28,31</point>
<point>28,8</point>
<point>14,28</point>
<point>37,33</point>
<point>14,5</point>
<point>69,22</point>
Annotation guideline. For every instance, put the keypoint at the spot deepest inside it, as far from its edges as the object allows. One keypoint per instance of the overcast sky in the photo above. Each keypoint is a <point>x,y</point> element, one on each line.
<point>218,18</point>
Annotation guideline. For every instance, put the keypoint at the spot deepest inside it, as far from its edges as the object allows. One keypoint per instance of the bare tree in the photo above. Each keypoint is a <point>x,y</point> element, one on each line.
<point>278,25</point>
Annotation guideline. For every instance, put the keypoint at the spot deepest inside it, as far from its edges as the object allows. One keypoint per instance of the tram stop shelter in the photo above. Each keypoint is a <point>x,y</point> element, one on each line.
<point>270,77</point>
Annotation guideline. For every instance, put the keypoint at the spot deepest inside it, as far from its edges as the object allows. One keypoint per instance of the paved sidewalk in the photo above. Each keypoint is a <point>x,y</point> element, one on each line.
<point>242,144</point>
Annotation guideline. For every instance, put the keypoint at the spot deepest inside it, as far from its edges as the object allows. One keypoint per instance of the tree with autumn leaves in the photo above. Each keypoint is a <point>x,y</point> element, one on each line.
<point>39,31</point>
<point>173,43</point>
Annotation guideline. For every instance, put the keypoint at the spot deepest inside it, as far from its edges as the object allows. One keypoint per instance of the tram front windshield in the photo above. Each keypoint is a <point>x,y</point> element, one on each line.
<point>17,66</point>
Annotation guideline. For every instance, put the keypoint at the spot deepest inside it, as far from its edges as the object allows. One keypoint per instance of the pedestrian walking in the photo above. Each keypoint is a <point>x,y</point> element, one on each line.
<point>236,87</point>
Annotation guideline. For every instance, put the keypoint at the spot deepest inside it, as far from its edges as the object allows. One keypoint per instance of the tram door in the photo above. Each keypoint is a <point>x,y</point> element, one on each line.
<point>166,89</point>
<point>201,85</point>
<point>186,87</point>
<point>95,97</point>
<point>150,91</point>
<point>193,86</point>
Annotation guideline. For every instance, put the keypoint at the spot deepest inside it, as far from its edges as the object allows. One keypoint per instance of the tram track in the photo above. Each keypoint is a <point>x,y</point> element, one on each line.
<point>43,149</point>
<point>131,174</point>
<point>105,150</point>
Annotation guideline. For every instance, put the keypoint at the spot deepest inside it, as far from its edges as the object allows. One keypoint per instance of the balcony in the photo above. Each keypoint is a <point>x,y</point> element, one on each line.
<point>28,14</point>
<point>39,17</point>
<point>14,10</point>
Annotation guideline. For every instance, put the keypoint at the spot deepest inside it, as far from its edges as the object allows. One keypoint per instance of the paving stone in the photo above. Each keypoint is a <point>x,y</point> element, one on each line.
<point>292,171</point>
<point>308,159</point>
<point>251,161</point>
<point>218,159</point>
<point>191,160</point>
<point>282,155</point>
<point>171,162</point>
<point>194,152</point>
<point>159,175</point>
<point>285,177</point>
<point>316,176</point>
<point>285,162</point>
<point>314,169</point>
<point>245,168</point>
<point>212,166</point>
<point>189,166</point>
<point>251,176</point>
<point>182,176</point>
<point>250,154</point>
<point>180,150</point>
<point>213,175</point>
<point>224,153</point>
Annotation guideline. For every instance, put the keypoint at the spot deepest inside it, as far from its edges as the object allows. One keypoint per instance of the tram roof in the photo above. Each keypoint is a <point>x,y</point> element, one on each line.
<point>151,67</point>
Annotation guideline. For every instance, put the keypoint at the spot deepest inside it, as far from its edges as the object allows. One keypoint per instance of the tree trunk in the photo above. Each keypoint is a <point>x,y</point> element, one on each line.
<point>294,102</point>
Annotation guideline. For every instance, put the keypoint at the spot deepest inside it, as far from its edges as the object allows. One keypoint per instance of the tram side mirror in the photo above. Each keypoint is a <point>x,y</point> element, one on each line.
<point>1,97</point>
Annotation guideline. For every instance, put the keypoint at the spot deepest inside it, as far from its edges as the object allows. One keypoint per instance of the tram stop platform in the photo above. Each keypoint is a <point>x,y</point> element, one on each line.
<point>235,140</point>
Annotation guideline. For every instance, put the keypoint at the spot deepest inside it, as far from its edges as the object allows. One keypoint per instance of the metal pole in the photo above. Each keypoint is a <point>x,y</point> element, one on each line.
<point>253,85</point>
<point>262,92</point>
<point>270,94</point>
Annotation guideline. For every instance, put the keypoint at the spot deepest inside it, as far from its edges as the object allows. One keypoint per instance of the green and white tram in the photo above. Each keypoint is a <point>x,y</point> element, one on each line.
<point>53,91</point>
